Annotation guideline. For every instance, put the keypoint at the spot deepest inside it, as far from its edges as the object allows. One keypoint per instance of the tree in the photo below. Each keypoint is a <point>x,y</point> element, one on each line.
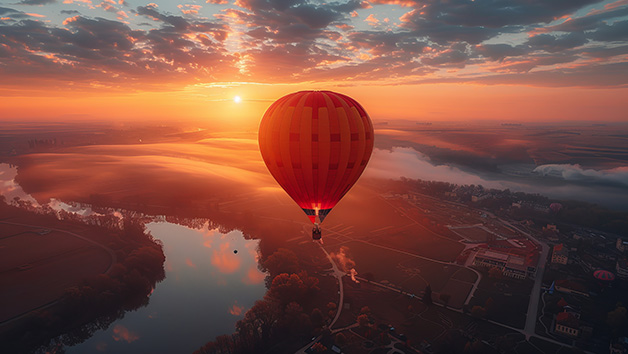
<point>363,320</point>
<point>133,229</point>
<point>505,344</point>
<point>310,284</point>
<point>287,288</point>
<point>295,322</point>
<point>365,310</point>
<point>617,317</point>
<point>259,322</point>
<point>317,318</point>
<point>473,347</point>
<point>341,340</point>
<point>427,296</point>
<point>282,261</point>
<point>319,348</point>
<point>488,304</point>
<point>331,309</point>
<point>478,311</point>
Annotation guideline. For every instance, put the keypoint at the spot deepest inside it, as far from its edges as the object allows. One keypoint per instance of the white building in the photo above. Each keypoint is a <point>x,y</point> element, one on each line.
<point>511,265</point>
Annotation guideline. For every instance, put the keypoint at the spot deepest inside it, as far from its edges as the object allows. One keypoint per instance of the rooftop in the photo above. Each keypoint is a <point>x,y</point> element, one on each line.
<point>572,284</point>
<point>526,254</point>
<point>567,319</point>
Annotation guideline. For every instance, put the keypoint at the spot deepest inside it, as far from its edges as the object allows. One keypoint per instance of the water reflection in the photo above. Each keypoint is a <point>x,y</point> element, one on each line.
<point>207,290</point>
<point>9,188</point>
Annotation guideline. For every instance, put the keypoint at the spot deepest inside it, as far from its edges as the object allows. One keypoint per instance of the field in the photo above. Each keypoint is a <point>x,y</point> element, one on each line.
<point>417,321</point>
<point>410,273</point>
<point>366,216</point>
<point>473,233</point>
<point>510,299</point>
<point>41,264</point>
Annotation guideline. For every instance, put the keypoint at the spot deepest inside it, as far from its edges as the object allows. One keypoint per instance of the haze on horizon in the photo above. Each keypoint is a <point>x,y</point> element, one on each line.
<point>429,61</point>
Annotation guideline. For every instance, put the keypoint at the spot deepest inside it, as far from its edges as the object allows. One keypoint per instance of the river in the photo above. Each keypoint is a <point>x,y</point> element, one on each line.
<point>212,279</point>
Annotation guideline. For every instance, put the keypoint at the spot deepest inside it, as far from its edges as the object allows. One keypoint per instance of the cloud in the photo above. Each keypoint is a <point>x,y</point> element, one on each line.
<point>590,21</point>
<point>371,20</point>
<point>407,162</point>
<point>551,43</point>
<point>494,14</point>
<point>616,32</point>
<point>120,333</point>
<point>254,276</point>
<point>236,310</point>
<point>225,260</point>
<point>457,56</point>
<point>500,51</point>
<point>593,75</point>
<point>36,2</point>
<point>97,50</point>
<point>616,176</point>
<point>9,188</point>
<point>190,264</point>
<point>305,41</point>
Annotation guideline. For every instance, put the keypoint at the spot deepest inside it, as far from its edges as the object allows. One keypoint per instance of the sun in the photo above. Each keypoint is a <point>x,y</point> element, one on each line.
<point>237,99</point>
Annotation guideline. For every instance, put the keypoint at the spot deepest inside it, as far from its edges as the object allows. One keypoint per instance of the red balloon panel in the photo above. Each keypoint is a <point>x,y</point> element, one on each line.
<point>316,144</point>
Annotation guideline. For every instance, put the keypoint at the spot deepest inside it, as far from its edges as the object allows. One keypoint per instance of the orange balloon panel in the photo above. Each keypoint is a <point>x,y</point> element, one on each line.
<point>316,144</point>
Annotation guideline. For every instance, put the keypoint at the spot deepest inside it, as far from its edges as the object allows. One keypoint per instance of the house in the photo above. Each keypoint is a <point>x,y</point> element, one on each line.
<point>477,198</point>
<point>621,245</point>
<point>619,346</point>
<point>621,268</point>
<point>571,287</point>
<point>567,324</point>
<point>560,254</point>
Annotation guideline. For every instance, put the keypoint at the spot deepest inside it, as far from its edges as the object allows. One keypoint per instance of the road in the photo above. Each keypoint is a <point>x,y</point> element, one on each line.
<point>338,274</point>
<point>533,305</point>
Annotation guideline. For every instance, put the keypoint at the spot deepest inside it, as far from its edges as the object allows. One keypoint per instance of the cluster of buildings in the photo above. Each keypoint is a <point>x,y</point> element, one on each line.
<point>621,265</point>
<point>561,255</point>
<point>516,260</point>
<point>568,323</point>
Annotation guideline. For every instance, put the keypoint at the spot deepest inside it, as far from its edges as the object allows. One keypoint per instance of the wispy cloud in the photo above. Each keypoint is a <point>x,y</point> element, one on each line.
<point>568,172</point>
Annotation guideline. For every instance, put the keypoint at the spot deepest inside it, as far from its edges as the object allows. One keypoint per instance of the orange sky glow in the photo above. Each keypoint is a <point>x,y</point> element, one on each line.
<point>131,61</point>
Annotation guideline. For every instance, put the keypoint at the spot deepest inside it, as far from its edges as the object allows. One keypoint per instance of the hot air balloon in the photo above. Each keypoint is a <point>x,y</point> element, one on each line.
<point>316,145</point>
<point>603,275</point>
<point>555,207</point>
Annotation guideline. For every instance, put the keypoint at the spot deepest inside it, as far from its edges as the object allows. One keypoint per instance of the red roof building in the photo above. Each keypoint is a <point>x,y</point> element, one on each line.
<point>567,324</point>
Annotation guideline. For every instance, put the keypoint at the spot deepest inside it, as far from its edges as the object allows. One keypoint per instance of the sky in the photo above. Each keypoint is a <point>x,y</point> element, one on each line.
<point>518,60</point>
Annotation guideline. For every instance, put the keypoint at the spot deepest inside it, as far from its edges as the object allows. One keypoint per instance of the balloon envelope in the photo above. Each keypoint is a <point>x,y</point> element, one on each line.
<point>603,275</point>
<point>555,207</point>
<point>316,144</point>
